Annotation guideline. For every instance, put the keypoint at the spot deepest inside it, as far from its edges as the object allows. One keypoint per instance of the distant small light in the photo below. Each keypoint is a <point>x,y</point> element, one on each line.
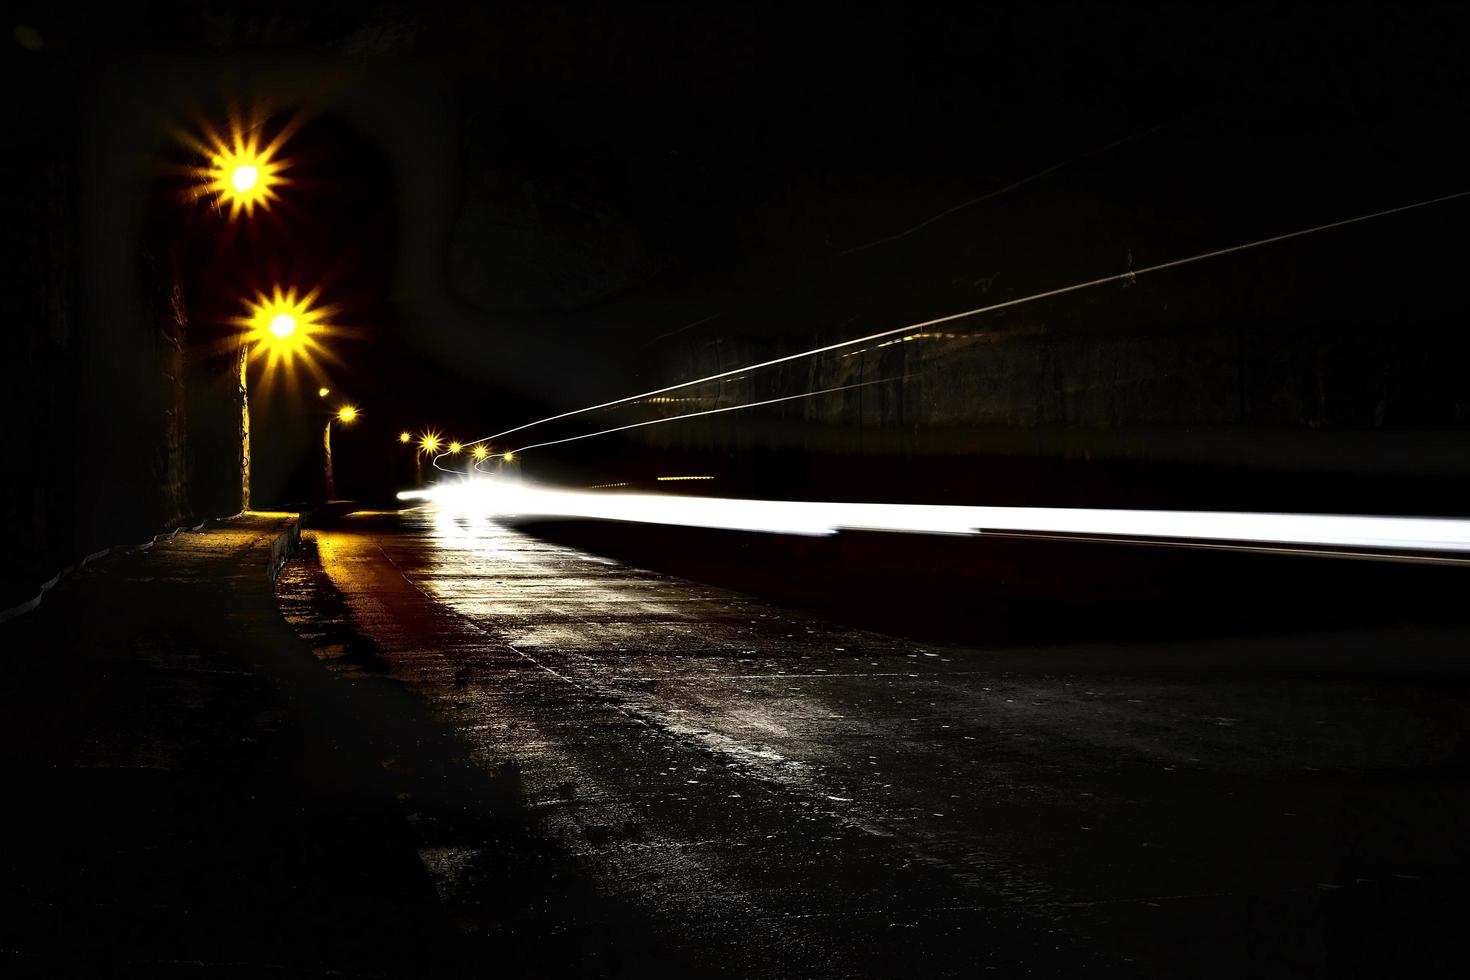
<point>481,452</point>
<point>508,457</point>
<point>404,437</point>
<point>347,413</point>
<point>323,392</point>
<point>455,447</point>
<point>29,38</point>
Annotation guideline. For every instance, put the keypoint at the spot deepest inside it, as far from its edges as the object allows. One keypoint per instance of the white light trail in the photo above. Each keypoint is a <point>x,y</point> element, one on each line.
<point>965,314</point>
<point>513,498</point>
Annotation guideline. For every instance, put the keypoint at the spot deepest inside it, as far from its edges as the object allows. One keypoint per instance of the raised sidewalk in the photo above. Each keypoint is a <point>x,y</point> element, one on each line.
<point>186,793</point>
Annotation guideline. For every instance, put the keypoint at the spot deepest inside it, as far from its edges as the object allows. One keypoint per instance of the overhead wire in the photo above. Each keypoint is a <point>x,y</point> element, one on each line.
<point>687,415</point>
<point>1128,276</point>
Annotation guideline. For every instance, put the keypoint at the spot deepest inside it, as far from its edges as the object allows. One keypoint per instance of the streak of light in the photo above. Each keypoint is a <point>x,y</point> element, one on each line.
<point>678,479</point>
<point>1129,276</point>
<point>677,418</point>
<point>923,335</point>
<point>898,340</point>
<point>707,411</point>
<point>510,498</point>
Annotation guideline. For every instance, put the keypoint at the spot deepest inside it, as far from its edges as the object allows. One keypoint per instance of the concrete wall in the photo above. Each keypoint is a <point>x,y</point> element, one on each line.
<point>113,406</point>
<point>1330,368</point>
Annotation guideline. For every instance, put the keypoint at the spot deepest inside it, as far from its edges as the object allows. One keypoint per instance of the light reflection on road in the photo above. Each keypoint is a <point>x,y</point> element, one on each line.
<point>721,737</point>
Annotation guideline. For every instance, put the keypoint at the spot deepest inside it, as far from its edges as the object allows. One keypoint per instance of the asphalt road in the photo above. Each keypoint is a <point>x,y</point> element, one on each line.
<point>715,783</point>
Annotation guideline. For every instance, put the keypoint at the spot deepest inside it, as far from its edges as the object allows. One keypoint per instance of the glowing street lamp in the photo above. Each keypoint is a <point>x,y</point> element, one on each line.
<point>279,328</point>
<point>405,437</point>
<point>480,452</point>
<point>244,178</point>
<point>455,448</point>
<point>283,326</point>
<point>241,170</point>
<point>428,445</point>
<point>346,414</point>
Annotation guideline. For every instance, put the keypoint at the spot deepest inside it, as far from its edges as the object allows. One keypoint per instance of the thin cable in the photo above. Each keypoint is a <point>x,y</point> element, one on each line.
<point>689,326</point>
<point>690,415</point>
<point>963,205</point>
<point>1075,287</point>
<point>1014,185</point>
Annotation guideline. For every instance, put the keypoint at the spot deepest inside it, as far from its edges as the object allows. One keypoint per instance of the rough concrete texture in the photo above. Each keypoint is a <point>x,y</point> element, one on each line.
<point>772,794</point>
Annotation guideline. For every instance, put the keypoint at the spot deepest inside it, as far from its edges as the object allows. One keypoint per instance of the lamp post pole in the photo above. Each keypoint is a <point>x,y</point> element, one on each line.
<point>244,425</point>
<point>345,415</point>
<point>331,481</point>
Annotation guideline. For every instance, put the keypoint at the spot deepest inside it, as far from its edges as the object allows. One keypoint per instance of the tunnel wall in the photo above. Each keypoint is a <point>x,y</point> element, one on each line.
<point>1320,373</point>
<point>114,408</point>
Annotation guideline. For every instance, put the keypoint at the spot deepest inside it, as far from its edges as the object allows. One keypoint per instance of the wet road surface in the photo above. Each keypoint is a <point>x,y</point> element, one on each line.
<point>732,787</point>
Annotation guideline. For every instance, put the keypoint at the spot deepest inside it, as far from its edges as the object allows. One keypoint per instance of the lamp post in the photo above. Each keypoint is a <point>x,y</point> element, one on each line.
<point>279,329</point>
<point>428,446</point>
<point>406,438</point>
<point>237,170</point>
<point>346,414</point>
<point>455,448</point>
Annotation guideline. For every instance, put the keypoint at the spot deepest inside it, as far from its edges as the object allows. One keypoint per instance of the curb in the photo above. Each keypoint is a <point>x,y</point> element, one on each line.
<point>282,548</point>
